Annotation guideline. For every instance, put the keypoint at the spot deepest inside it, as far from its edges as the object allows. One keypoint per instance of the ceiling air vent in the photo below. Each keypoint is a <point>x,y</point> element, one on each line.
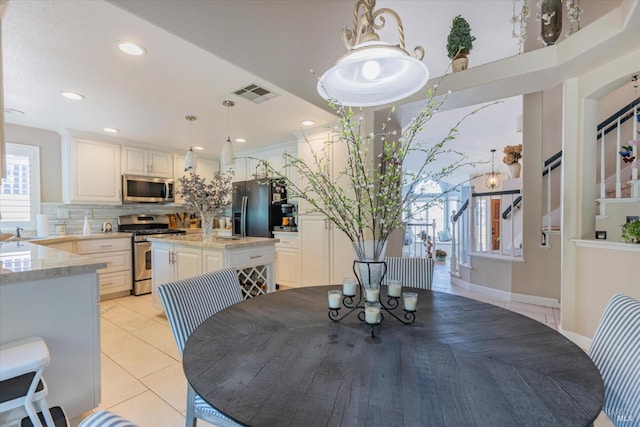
<point>255,93</point>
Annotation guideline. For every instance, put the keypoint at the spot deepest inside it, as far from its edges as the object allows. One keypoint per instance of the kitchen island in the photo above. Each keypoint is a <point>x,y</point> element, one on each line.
<point>178,257</point>
<point>54,294</point>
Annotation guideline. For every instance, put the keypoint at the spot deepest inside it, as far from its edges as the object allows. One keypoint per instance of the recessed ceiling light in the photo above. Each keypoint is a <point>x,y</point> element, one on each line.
<point>72,95</point>
<point>131,48</point>
<point>111,130</point>
<point>198,148</point>
<point>308,123</point>
<point>13,111</point>
<point>241,140</point>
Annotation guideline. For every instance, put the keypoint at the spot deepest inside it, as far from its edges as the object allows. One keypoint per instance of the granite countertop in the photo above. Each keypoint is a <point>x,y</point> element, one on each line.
<point>221,242</point>
<point>73,237</point>
<point>22,260</point>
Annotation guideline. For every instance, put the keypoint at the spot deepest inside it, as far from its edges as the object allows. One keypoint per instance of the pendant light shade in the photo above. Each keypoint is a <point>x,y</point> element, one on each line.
<point>228,155</point>
<point>373,72</point>
<point>190,160</point>
<point>493,178</point>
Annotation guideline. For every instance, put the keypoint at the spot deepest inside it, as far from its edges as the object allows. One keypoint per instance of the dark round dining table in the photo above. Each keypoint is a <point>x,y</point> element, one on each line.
<point>278,360</point>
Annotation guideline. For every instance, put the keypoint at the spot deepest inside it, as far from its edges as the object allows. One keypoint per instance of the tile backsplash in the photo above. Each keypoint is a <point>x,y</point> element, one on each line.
<point>73,215</point>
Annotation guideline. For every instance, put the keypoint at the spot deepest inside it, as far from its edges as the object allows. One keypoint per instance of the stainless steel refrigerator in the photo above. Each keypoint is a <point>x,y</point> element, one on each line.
<point>256,207</point>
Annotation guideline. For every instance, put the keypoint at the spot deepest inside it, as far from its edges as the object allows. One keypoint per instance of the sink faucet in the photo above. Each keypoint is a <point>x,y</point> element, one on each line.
<point>18,231</point>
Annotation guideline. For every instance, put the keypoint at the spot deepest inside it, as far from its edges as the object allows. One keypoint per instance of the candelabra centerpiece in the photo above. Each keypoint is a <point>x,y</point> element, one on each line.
<point>362,295</point>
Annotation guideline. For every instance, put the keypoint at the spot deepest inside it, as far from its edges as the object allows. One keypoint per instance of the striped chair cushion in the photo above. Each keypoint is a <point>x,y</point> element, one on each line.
<point>414,272</point>
<point>189,302</point>
<point>105,419</point>
<point>615,350</point>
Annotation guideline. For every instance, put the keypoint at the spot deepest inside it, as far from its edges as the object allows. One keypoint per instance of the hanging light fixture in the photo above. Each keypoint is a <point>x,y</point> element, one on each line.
<point>373,72</point>
<point>228,156</point>
<point>493,178</point>
<point>190,161</point>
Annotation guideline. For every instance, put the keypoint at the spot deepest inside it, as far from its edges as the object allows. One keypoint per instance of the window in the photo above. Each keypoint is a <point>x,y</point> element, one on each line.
<point>20,190</point>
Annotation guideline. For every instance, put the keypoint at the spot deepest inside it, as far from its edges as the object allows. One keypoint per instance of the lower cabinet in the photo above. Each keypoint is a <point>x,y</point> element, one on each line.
<point>171,263</point>
<point>287,259</point>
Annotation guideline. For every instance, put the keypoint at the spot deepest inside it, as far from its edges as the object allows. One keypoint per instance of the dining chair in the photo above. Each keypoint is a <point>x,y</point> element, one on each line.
<point>413,272</point>
<point>615,350</point>
<point>105,419</point>
<point>189,302</point>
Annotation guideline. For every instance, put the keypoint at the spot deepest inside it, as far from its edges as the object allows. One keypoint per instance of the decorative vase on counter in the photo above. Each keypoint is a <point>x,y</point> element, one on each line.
<point>514,170</point>
<point>550,21</point>
<point>206,223</point>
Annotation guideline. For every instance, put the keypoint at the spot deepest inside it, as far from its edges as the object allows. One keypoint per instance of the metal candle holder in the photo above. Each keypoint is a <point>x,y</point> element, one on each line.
<point>349,301</point>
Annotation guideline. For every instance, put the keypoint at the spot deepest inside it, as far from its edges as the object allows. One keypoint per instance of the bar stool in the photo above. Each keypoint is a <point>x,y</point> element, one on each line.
<point>21,382</point>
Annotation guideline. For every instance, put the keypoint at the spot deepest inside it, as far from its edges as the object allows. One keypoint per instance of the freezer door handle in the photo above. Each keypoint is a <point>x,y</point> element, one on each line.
<point>243,217</point>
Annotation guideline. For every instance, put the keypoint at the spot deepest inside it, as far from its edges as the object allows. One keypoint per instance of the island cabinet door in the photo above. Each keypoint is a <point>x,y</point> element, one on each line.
<point>212,260</point>
<point>188,262</point>
<point>163,271</point>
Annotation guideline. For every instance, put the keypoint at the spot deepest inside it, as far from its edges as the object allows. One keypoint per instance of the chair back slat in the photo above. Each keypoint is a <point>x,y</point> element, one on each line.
<point>414,272</point>
<point>189,302</point>
<point>615,350</point>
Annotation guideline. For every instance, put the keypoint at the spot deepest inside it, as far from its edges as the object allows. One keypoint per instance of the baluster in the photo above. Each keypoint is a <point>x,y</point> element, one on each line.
<point>636,137</point>
<point>453,261</point>
<point>603,176</point>
<point>618,161</point>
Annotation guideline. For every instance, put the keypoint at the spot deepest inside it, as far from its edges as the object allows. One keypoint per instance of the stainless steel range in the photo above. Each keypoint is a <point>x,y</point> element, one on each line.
<point>143,226</point>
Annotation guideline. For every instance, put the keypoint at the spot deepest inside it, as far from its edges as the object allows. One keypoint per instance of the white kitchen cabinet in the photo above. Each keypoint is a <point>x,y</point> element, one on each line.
<point>90,172</point>
<point>326,254</point>
<point>287,259</point>
<point>117,278</point>
<point>140,161</point>
<point>171,263</point>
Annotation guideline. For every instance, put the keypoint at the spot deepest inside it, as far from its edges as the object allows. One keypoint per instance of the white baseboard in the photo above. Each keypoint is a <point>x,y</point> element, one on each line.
<point>505,295</point>
<point>580,340</point>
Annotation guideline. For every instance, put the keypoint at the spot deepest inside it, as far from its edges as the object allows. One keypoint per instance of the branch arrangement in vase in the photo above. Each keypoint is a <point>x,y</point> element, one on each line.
<point>368,196</point>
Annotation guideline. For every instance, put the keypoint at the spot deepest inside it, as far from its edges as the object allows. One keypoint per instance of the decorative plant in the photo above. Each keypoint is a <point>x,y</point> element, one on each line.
<point>513,154</point>
<point>460,41</point>
<point>368,196</point>
<point>205,198</point>
<point>573,11</point>
<point>519,19</point>
<point>631,231</point>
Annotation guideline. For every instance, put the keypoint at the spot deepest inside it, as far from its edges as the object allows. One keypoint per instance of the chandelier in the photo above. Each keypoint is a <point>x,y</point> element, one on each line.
<point>373,72</point>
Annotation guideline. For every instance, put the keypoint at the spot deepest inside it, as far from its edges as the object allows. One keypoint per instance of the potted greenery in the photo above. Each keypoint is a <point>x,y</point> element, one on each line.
<point>440,255</point>
<point>459,43</point>
<point>631,231</point>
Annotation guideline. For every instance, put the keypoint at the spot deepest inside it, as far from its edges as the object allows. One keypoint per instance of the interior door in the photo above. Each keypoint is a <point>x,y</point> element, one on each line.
<point>495,224</point>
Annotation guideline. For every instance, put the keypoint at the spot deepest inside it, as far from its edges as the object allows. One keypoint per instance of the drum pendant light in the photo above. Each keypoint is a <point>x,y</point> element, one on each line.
<point>228,155</point>
<point>190,161</point>
<point>373,72</point>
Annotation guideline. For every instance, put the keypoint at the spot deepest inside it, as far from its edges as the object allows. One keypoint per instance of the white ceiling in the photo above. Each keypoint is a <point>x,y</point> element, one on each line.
<point>199,52</point>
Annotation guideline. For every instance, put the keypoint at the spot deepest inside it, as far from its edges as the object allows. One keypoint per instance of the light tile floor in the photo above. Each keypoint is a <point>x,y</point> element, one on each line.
<point>142,377</point>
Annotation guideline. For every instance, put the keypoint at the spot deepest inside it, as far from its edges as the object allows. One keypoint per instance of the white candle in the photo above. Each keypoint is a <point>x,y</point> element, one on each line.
<point>372,314</point>
<point>349,286</point>
<point>335,299</point>
<point>410,300</point>
<point>395,288</point>
<point>371,294</point>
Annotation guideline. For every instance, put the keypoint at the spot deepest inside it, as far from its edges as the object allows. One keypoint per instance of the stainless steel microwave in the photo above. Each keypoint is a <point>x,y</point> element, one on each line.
<point>147,189</point>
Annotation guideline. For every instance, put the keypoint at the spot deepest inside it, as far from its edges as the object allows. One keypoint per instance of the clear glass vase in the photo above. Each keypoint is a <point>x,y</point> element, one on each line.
<point>206,223</point>
<point>369,266</point>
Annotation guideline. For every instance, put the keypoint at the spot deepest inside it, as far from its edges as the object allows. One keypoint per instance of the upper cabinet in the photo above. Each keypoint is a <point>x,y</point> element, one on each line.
<point>139,161</point>
<point>247,164</point>
<point>90,172</point>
